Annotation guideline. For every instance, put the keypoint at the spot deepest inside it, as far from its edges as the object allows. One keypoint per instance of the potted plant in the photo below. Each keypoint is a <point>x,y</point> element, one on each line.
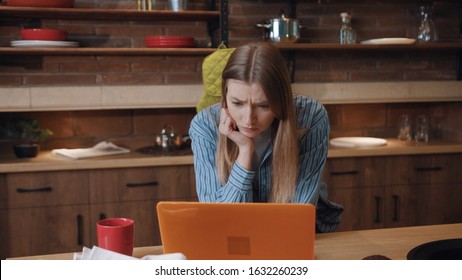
<point>30,135</point>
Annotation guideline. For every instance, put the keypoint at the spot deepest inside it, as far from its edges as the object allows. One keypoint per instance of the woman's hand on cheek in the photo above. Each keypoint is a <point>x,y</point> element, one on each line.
<point>246,145</point>
<point>229,128</point>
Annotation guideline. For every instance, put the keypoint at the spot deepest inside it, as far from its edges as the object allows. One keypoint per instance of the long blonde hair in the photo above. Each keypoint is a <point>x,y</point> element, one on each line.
<point>262,63</point>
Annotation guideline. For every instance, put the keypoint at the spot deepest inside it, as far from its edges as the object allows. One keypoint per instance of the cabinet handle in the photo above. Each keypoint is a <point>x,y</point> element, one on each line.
<point>102,216</point>
<point>339,173</point>
<point>395,208</point>
<point>39,189</point>
<point>79,230</point>
<point>144,184</point>
<point>378,201</point>
<point>433,168</point>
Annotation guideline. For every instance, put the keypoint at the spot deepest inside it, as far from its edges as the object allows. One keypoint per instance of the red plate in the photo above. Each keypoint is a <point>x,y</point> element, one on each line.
<point>169,38</point>
<point>41,3</point>
<point>169,45</point>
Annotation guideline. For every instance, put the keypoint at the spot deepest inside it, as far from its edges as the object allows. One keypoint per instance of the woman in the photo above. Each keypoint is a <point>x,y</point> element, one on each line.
<point>262,144</point>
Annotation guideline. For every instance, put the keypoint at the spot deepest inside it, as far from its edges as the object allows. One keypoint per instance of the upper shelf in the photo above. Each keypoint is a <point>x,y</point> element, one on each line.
<point>106,51</point>
<point>106,14</point>
<point>204,51</point>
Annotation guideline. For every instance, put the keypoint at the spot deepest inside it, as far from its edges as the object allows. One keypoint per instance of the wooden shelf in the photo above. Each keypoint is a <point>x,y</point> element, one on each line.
<point>357,47</point>
<point>107,14</point>
<point>457,46</point>
<point>105,51</point>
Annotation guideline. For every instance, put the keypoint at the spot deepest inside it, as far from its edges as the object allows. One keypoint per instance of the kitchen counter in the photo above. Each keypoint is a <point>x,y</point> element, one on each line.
<point>393,243</point>
<point>49,162</point>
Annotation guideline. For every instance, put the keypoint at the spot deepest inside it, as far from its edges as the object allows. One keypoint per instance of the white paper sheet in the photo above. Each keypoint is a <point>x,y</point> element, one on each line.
<point>101,149</point>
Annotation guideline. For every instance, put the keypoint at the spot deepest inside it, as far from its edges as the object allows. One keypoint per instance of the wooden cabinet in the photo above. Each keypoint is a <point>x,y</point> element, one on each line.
<point>55,212</point>
<point>43,212</point>
<point>356,184</point>
<point>396,191</point>
<point>134,193</point>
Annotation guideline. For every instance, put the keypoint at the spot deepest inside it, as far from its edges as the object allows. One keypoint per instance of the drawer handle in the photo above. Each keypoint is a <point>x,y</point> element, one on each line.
<point>434,168</point>
<point>339,173</point>
<point>79,230</point>
<point>395,206</point>
<point>102,216</point>
<point>144,184</point>
<point>378,201</point>
<point>43,189</point>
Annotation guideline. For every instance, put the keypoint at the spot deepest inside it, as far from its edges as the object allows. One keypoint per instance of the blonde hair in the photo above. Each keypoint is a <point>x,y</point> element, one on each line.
<point>262,63</point>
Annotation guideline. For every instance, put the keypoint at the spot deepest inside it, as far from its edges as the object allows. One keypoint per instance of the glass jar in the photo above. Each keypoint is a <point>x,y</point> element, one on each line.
<point>426,31</point>
<point>347,33</point>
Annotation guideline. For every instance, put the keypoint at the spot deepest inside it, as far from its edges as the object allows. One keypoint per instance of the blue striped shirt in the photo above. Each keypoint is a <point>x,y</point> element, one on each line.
<point>311,117</point>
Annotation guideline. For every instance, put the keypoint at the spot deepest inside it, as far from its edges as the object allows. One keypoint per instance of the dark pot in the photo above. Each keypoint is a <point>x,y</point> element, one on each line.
<point>26,150</point>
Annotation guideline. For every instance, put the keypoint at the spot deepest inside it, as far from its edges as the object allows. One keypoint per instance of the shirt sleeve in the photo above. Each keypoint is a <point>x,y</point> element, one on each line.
<point>313,152</point>
<point>204,136</point>
<point>313,155</point>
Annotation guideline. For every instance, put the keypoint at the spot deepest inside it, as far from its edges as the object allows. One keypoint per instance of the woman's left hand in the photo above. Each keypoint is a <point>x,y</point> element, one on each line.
<point>229,128</point>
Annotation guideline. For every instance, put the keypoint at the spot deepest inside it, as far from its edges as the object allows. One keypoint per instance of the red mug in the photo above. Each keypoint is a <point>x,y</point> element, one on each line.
<point>116,234</point>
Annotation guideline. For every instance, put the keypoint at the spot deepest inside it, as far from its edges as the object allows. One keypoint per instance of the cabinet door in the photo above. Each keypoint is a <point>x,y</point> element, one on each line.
<point>363,207</point>
<point>424,190</point>
<point>412,205</point>
<point>134,184</point>
<point>355,183</point>
<point>44,230</point>
<point>134,193</point>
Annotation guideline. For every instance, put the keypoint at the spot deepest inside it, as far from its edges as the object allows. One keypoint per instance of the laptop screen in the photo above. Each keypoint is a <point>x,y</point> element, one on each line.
<point>221,231</point>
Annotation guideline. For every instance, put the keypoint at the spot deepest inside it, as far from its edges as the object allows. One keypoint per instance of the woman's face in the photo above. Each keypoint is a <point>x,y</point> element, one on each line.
<point>248,107</point>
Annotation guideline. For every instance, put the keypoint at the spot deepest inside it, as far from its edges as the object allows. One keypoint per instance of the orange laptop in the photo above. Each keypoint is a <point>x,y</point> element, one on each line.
<point>220,231</point>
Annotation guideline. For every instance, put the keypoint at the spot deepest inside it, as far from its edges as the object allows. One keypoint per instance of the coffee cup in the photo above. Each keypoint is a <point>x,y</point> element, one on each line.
<point>116,234</point>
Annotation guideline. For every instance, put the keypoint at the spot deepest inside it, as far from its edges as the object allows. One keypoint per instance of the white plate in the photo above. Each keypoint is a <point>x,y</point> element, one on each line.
<point>43,44</point>
<point>356,142</point>
<point>389,41</point>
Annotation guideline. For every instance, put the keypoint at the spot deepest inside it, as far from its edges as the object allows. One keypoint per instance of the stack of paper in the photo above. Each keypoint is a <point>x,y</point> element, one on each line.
<point>97,253</point>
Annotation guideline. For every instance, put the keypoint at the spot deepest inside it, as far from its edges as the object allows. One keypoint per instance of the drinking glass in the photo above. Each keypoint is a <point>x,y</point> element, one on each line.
<point>404,128</point>
<point>421,133</point>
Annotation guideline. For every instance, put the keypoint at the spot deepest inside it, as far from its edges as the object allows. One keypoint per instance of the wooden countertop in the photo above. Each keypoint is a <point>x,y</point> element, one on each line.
<point>397,147</point>
<point>393,243</point>
<point>48,162</point>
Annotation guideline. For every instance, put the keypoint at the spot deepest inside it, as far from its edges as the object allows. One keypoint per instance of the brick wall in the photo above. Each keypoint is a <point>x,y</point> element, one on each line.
<point>320,20</point>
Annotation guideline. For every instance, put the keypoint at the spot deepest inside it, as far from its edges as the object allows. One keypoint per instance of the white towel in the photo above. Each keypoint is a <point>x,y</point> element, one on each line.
<point>97,253</point>
<point>101,149</point>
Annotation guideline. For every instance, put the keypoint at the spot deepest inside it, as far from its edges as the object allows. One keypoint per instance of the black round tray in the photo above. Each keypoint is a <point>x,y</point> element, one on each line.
<point>448,249</point>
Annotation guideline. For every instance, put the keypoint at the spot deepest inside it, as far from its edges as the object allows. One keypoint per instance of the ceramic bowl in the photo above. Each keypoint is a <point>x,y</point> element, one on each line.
<point>43,34</point>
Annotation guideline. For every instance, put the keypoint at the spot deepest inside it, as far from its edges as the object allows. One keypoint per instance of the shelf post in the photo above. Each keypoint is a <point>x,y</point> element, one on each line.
<point>224,22</point>
<point>293,8</point>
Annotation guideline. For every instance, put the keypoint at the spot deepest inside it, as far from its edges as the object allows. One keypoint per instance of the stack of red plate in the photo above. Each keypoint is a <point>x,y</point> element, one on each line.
<point>169,41</point>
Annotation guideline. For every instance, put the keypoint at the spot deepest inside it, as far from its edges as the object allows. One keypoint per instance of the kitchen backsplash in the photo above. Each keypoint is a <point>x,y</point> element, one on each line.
<point>136,128</point>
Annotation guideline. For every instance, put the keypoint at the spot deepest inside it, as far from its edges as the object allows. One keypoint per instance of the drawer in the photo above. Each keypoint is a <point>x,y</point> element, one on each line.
<point>132,184</point>
<point>354,172</point>
<point>44,189</point>
<point>425,169</point>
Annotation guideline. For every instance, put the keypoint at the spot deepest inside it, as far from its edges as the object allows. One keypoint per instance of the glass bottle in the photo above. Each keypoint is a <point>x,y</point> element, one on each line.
<point>427,31</point>
<point>347,33</point>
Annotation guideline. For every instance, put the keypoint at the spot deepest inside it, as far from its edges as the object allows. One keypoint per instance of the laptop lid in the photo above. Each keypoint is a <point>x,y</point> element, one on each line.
<point>220,231</point>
